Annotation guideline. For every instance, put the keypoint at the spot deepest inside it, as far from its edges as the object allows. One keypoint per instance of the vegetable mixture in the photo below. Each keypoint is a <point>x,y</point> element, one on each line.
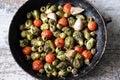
<point>58,40</point>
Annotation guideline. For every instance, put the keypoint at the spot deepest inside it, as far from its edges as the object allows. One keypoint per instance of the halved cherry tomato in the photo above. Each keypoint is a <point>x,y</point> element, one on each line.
<point>37,65</point>
<point>78,49</point>
<point>87,54</point>
<point>37,22</point>
<point>92,25</point>
<point>27,50</point>
<point>49,58</point>
<point>47,34</point>
<point>67,8</point>
<point>59,42</point>
<point>63,21</point>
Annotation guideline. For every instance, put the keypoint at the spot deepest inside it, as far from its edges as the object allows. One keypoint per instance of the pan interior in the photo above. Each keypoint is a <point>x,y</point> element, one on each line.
<point>20,17</point>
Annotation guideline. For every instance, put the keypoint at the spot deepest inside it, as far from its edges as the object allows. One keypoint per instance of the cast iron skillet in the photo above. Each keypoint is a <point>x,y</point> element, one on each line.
<point>20,18</point>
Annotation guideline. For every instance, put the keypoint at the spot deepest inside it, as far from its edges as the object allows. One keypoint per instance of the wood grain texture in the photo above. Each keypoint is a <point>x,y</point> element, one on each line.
<point>107,69</point>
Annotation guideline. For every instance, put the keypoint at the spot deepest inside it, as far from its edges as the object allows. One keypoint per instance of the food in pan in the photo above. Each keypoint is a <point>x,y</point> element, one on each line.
<point>58,39</point>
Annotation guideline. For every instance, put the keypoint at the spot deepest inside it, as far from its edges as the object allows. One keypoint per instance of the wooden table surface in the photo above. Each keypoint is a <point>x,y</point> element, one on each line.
<point>107,69</point>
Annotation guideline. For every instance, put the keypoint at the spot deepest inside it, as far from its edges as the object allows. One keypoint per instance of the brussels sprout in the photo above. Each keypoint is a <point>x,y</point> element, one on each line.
<point>53,8</point>
<point>44,17</point>
<point>61,55</point>
<point>56,33</point>
<point>48,68</point>
<point>57,49</point>
<point>80,41</point>
<point>69,42</point>
<point>51,45</point>
<point>60,13</point>
<point>35,55</point>
<point>34,48</point>
<point>62,73</point>
<point>52,28</point>
<point>59,26</point>
<point>86,34</point>
<point>22,27</point>
<point>44,26</point>
<point>28,23</point>
<point>71,21</point>
<point>90,43</point>
<point>93,34</point>
<point>77,35</point>
<point>87,61</point>
<point>24,42</point>
<point>29,37</point>
<point>76,63</point>
<point>61,65</point>
<point>66,15</point>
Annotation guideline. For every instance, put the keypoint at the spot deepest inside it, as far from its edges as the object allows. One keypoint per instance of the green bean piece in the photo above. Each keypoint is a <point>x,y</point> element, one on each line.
<point>40,49</point>
<point>51,45</point>
<point>68,31</point>
<point>80,16</point>
<point>24,42</point>
<point>89,19</point>
<point>74,71</point>
<point>60,13</point>
<point>55,62</point>
<point>56,33</point>
<point>23,34</point>
<point>90,43</point>
<point>76,63</point>
<point>53,8</point>
<point>47,48</point>
<point>41,71</point>
<point>86,34</point>
<point>35,55</point>
<point>29,36</point>
<point>28,23</point>
<point>34,48</point>
<point>87,61</point>
<point>71,21</point>
<point>28,57</point>
<point>34,30</point>
<point>43,17</point>
<point>93,51</point>
<point>36,14</point>
<point>61,56</point>
<point>77,35</point>
<point>61,65</point>
<point>70,54</point>
<point>57,49</point>
<point>81,41</point>
<point>42,56</point>
<point>69,42</point>
<point>60,7</point>
<point>59,26</point>
<point>54,73</point>
<point>22,27</point>
<point>69,68</point>
<point>66,15</point>
<point>29,15</point>
<point>52,28</point>
<point>44,26</point>
<point>62,73</point>
<point>93,34</point>
<point>36,42</point>
<point>62,35</point>
<point>42,9</point>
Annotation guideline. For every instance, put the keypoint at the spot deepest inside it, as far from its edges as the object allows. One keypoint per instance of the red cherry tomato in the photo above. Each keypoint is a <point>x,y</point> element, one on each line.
<point>67,8</point>
<point>37,65</point>
<point>87,54</point>
<point>59,42</point>
<point>27,50</point>
<point>37,22</point>
<point>92,25</point>
<point>47,34</point>
<point>78,49</point>
<point>50,58</point>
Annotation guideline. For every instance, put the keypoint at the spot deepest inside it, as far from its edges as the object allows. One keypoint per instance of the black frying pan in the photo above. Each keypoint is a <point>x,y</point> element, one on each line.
<point>20,18</point>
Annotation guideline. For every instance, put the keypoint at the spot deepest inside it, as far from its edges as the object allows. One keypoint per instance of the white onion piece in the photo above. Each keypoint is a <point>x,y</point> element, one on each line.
<point>78,25</point>
<point>76,10</point>
<point>52,16</point>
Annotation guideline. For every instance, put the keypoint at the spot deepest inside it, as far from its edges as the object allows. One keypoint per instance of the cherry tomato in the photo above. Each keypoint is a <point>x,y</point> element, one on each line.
<point>92,25</point>
<point>63,21</point>
<point>87,54</point>
<point>37,22</point>
<point>78,49</point>
<point>47,34</point>
<point>49,58</point>
<point>27,50</point>
<point>59,42</point>
<point>67,8</point>
<point>37,65</point>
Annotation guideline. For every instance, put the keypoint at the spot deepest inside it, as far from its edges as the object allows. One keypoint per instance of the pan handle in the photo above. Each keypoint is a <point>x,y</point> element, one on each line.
<point>107,20</point>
